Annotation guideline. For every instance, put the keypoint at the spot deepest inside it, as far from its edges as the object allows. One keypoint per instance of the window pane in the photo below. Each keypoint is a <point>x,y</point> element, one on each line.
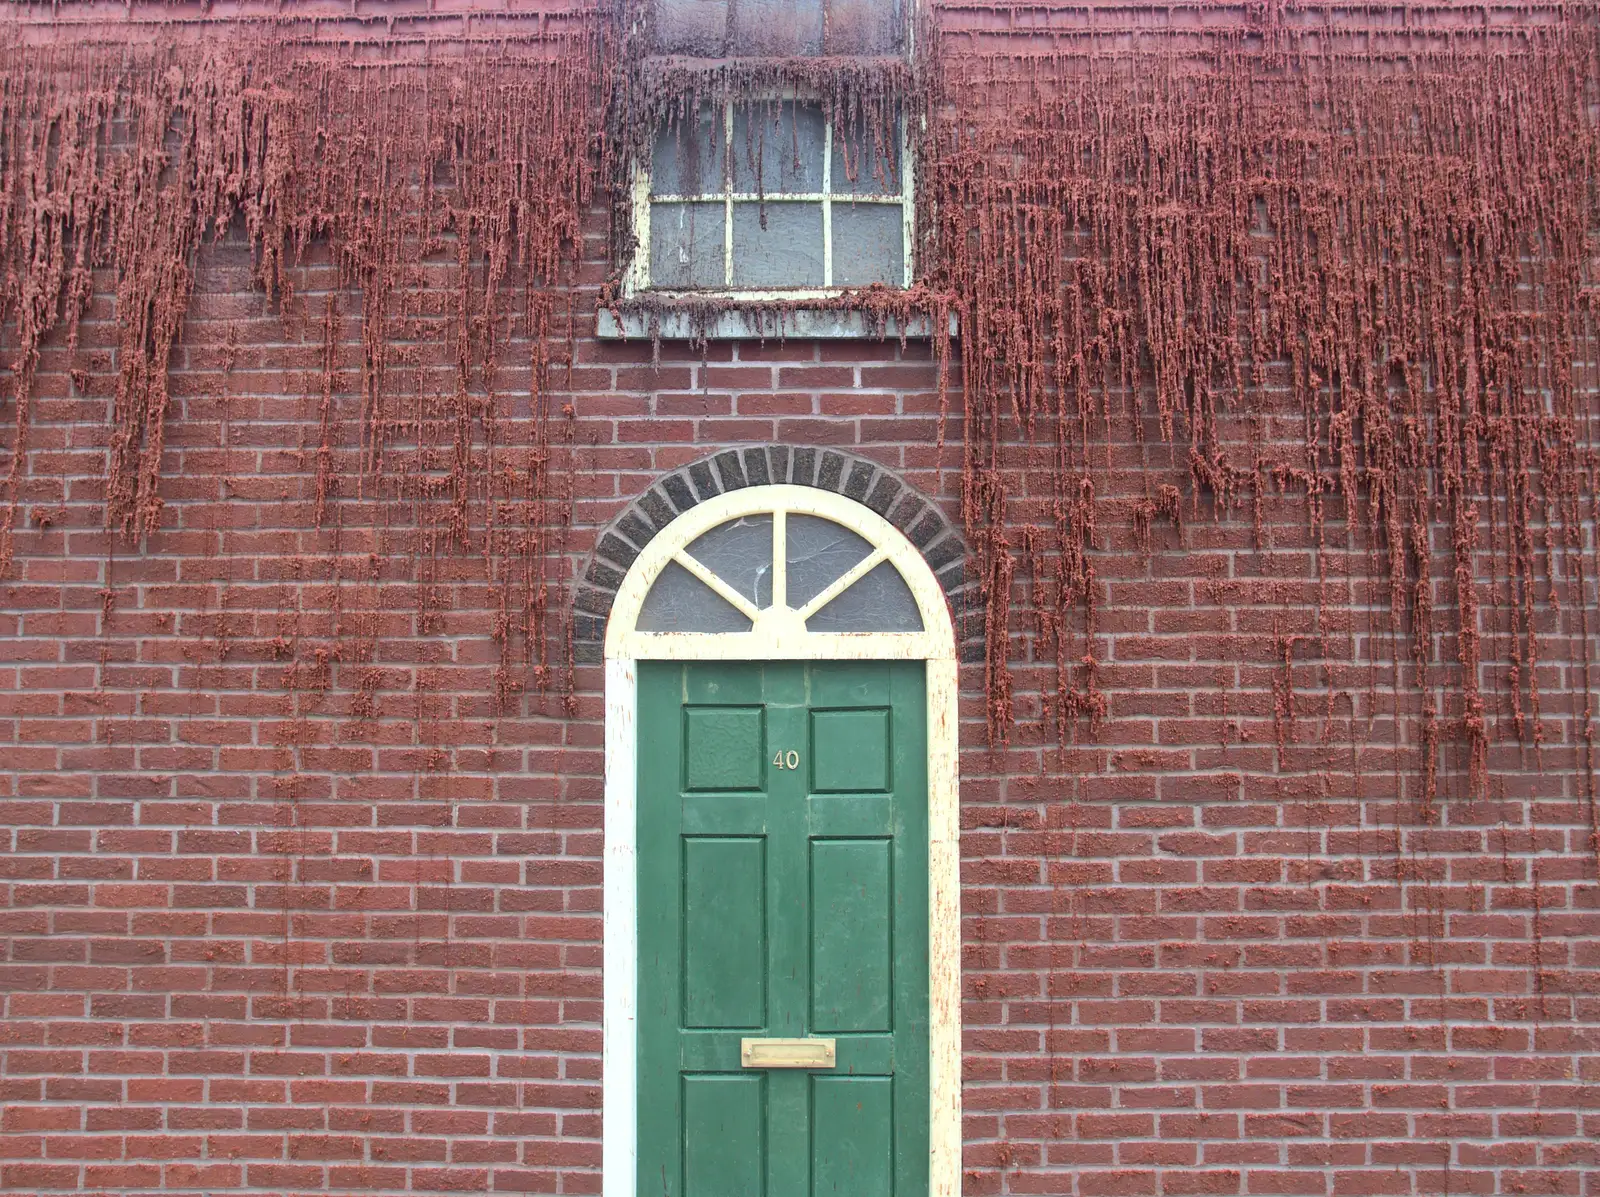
<point>864,27</point>
<point>787,252</point>
<point>777,148</point>
<point>686,245</point>
<point>687,156</point>
<point>740,553</point>
<point>863,166</point>
<point>692,27</point>
<point>868,245</point>
<point>775,28</point>
<point>818,551</point>
<point>879,602</point>
<point>681,602</point>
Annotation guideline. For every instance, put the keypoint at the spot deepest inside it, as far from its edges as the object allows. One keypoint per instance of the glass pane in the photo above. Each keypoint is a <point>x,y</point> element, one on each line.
<point>868,245</point>
<point>691,27</point>
<point>775,28</point>
<point>818,552</point>
<point>686,245</point>
<point>870,27</point>
<point>777,245</point>
<point>681,602</point>
<point>866,160</point>
<point>687,157</point>
<point>777,148</point>
<point>879,602</point>
<point>740,553</point>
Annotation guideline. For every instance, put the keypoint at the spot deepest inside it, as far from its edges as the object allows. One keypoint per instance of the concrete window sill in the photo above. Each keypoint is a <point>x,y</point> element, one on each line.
<point>735,325</point>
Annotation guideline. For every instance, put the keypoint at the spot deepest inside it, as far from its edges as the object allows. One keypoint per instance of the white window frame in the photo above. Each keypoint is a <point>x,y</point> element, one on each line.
<point>636,280</point>
<point>778,635</point>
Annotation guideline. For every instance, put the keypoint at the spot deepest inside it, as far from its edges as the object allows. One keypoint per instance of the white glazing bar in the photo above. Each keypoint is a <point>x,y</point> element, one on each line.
<point>827,203</point>
<point>908,205</point>
<point>780,558</point>
<point>744,605</point>
<point>768,645</point>
<point>727,194</point>
<point>839,585</point>
<point>776,197</point>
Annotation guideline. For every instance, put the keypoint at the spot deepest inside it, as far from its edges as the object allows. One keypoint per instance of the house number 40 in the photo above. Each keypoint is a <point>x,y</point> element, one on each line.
<point>786,760</point>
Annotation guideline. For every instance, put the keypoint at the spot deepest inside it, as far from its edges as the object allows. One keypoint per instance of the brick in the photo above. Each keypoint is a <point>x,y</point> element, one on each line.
<point>300,867</point>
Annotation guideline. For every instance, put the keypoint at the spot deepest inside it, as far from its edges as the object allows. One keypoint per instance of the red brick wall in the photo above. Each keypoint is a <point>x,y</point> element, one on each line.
<point>274,919</point>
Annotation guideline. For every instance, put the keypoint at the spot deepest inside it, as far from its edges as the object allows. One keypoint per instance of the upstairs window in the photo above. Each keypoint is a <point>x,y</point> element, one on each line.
<point>769,199</point>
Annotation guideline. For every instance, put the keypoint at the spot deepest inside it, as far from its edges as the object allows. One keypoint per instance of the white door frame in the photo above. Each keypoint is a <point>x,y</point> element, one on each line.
<point>779,634</point>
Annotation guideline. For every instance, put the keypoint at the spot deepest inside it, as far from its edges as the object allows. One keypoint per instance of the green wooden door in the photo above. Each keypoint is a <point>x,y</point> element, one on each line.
<point>783,892</point>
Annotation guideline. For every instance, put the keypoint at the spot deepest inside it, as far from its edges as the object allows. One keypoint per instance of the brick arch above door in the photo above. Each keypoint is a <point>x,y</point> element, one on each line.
<point>857,478</point>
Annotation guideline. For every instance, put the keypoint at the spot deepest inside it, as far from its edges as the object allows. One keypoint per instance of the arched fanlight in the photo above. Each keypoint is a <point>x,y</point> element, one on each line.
<point>786,570</point>
<point>780,571</point>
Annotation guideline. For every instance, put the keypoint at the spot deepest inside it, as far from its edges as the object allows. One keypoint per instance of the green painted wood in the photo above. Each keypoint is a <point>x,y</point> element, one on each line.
<point>852,1136</point>
<point>782,901</point>
<point>849,751</point>
<point>724,932</point>
<point>724,1132</point>
<point>852,939</point>
<point>722,748</point>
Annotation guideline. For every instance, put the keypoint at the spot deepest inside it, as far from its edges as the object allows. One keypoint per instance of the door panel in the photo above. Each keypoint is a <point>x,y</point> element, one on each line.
<point>724,1128</point>
<point>849,751</point>
<point>722,748</point>
<point>852,1128</point>
<point>782,893</point>
<point>852,903</point>
<point>724,932</point>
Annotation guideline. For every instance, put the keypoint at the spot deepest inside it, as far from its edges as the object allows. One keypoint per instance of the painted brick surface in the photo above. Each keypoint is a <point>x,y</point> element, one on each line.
<point>278,916</point>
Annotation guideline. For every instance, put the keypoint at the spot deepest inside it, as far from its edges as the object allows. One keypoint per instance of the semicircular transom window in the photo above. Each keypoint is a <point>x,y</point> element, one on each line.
<point>787,569</point>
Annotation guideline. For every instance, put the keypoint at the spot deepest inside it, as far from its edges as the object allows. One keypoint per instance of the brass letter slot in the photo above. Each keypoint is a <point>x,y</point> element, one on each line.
<point>786,1053</point>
